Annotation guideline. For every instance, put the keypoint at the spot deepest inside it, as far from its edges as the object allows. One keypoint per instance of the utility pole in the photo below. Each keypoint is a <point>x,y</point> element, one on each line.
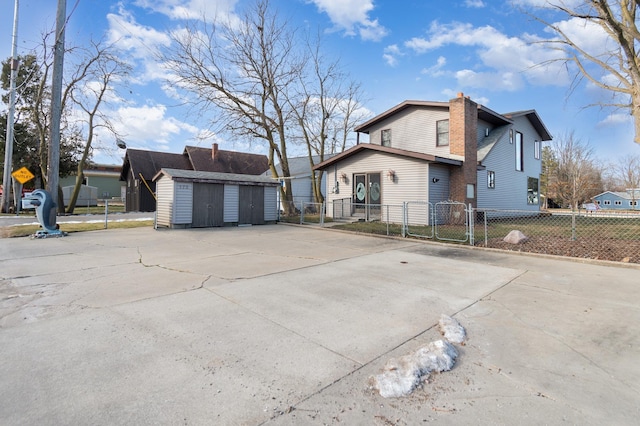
<point>8,148</point>
<point>53,164</point>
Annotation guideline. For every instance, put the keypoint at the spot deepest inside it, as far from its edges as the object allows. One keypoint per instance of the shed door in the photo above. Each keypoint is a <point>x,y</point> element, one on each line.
<point>208,205</point>
<point>251,209</point>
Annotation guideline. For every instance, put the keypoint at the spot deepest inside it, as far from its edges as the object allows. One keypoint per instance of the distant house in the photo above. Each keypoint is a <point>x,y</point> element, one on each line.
<point>140,167</point>
<point>104,177</point>
<point>430,151</point>
<point>301,183</point>
<point>627,200</point>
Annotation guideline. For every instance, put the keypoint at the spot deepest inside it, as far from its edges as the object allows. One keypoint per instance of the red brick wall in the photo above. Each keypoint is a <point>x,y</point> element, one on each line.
<point>463,140</point>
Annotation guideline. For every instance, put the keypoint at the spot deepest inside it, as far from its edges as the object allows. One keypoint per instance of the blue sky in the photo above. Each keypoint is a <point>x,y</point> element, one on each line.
<point>397,50</point>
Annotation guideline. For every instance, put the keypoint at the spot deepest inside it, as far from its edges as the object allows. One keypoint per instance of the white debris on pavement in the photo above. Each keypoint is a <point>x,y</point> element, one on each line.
<point>401,376</point>
<point>452,330</point>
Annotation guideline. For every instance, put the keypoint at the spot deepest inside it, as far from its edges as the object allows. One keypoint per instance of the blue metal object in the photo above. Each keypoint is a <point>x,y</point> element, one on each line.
<point>44,204</point>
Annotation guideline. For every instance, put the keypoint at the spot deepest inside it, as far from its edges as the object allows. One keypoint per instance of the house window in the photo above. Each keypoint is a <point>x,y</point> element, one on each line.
<point>491,179</point>
<point>598,202</point>
<point>385,136</point>
<point>532,191</point>
<point>511,136</point>
<point>536,149</point>
<point>617,202</point>
<point>519,153</point>
<point>633,203</point>
<point>607,202</point>
<point>442,138</point>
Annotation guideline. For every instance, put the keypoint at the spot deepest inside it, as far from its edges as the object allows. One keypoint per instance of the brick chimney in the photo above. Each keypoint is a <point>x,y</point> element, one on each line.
<point>214,151</point>
<point>463,141</point>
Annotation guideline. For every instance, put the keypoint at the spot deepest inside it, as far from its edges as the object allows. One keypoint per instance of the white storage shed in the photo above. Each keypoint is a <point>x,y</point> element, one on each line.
<point>193,199</point>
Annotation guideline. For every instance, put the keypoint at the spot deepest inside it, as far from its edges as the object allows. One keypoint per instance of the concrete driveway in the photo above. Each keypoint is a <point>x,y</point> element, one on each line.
<point>284,325</point>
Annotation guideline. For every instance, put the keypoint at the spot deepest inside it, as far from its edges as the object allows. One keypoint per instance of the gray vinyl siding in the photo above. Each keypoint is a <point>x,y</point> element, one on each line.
<point>413,130</point>
<point>438,191</point>
<point>270,203</point>
<point>482,128</point>
<point>183,203</point>
<point>175,202</point>
<point>231,203</point>
<point>301,190</point>
<point>510,190</point>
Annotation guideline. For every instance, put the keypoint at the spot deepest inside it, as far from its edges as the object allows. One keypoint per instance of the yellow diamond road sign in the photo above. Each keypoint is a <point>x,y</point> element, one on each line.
<point>23,175</point>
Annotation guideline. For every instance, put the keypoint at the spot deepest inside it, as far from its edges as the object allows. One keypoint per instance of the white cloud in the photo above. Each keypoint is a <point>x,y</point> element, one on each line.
<point>391,54</point>
<point>352,17</point>
<point>506,60</point>
<point>476,4</point>
<point>616,119</point>
<point>436,70</point>
<point>141,41</point>
<point>149,125</point>
<point>190,9</point>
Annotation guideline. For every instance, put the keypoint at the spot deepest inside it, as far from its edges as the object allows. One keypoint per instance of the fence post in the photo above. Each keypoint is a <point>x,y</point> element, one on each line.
<point>471,225</point>
<point>301,211</point>
<point>106,212</point>
<point>486,230</point>
<point>404,218</point>
<point>322,207</point>
<point>573,224</point>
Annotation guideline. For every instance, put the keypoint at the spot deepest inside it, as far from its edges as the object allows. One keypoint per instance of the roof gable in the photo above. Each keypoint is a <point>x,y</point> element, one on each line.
<point>386,150</point>
<point>148,163</point>
<point>484,113</point>
<point>535,120</point>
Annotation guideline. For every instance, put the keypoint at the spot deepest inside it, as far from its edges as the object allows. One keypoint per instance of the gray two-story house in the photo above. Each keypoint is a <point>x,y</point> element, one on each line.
<point>442,151</point>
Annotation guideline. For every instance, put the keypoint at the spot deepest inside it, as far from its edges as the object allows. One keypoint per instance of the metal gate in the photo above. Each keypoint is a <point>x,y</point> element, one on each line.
<point>452,221</point>
<point>418,219</point>
<point>446,221</point>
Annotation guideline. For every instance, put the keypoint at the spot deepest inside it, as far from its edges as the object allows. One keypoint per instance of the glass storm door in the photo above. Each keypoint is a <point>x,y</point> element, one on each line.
<point>367,195</point>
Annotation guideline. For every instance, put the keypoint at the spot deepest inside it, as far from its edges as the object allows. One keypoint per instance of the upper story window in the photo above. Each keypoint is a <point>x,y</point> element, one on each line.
<point>519,152</point>
<point>385,137</point>
<point>536,149</point>
<point>442,138</point>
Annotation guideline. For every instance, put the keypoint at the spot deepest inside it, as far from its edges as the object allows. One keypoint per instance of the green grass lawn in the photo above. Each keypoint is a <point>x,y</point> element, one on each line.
<point>28,230</point>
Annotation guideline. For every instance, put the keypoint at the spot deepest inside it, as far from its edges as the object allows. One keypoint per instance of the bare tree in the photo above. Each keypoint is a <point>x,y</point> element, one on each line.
<point>327,109</point>
<point>614,65</point>
<point>244,71</point>
<point>96,70</point>
<point>574,177</point>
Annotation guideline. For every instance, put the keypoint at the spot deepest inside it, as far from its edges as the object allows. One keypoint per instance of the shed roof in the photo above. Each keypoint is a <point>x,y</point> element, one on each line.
<point>215,177</point>
<point>219,160</point>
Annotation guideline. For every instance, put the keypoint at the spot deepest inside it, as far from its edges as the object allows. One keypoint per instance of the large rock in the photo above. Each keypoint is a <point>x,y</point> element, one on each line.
<point>515,237</point>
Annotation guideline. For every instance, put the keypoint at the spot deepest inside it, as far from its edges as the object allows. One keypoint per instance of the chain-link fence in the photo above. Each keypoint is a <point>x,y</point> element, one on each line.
<point>591,235</point>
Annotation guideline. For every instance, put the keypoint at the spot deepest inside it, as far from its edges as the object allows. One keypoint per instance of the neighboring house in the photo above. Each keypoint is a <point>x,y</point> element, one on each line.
<point>104,177</point>
<point>301,184</point>
<point>437,151</point>
<point>628,200</point>
<point>140,167</point>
